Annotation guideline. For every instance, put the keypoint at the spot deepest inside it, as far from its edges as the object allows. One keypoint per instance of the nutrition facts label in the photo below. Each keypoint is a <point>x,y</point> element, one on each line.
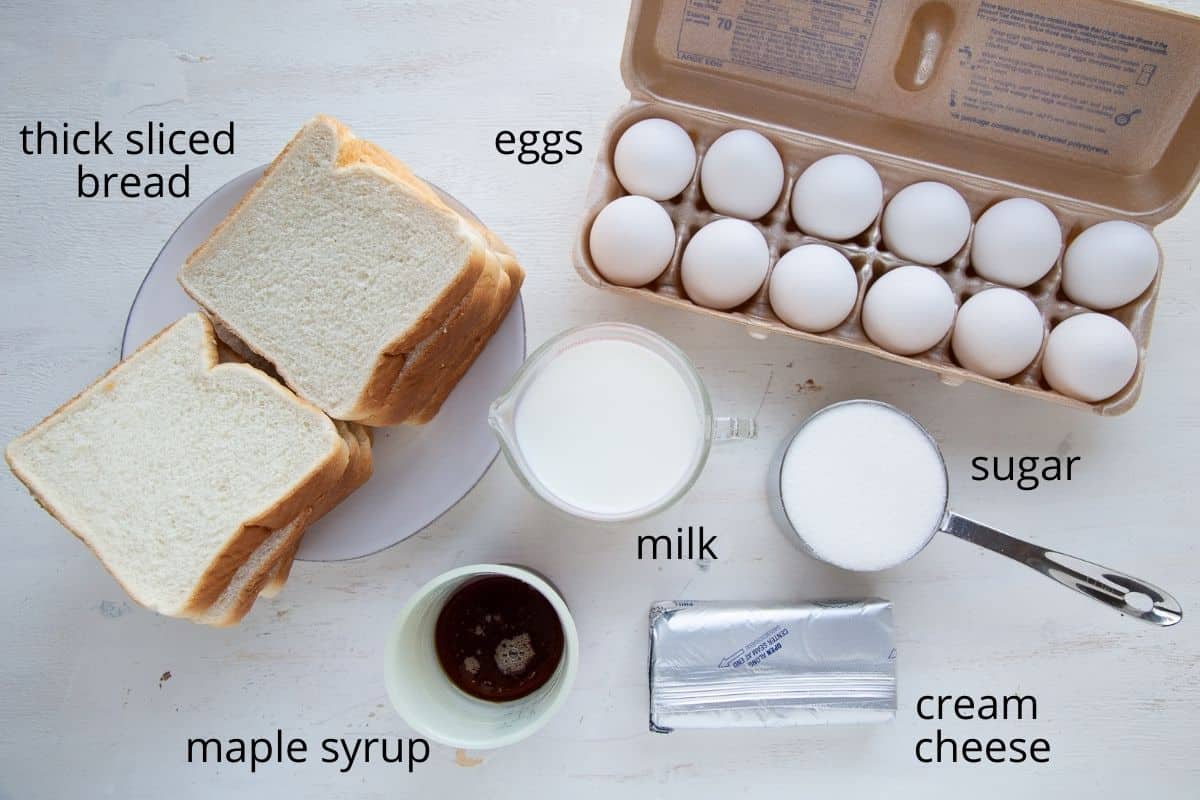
<point>822,41</point>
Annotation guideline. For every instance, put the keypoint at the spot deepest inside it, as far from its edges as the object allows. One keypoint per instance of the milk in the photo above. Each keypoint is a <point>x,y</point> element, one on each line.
<point>610,427</point>
<point>863,486</point>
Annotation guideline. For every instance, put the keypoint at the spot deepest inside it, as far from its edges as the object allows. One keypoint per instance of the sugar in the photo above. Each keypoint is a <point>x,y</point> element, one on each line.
<point>863,486</point>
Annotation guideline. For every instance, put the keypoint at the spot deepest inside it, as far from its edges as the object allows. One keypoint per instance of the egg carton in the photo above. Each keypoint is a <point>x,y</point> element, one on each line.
<point>890,108</point>
<point>867,253</point>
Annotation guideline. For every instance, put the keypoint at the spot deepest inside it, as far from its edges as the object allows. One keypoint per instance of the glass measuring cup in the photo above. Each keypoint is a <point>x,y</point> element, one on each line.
<point>505,418</point>
<point>1125,593</point>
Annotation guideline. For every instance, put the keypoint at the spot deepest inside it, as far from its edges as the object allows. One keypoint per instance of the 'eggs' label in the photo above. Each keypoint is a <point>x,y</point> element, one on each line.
<point>539,147</point>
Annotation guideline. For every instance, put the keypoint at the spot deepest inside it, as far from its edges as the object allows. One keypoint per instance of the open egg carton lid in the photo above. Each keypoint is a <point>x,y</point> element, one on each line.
<point>1089,107</point>
<point>1089,102</point>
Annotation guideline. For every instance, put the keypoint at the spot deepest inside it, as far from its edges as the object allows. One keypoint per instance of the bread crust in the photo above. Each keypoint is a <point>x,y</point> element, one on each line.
<point>238,598</point>
<point>244,539</point>
<point>460,341</point>
<point>245,590</point>
<point>419,393</point>
<point>456,368</point>
<point>415,383</point>
<point>357,474</point>
<point>356,154</point>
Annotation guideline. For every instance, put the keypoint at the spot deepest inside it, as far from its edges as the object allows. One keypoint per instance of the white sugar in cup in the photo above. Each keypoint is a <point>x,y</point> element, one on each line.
<point>437,709</point>
<point>861,485</point>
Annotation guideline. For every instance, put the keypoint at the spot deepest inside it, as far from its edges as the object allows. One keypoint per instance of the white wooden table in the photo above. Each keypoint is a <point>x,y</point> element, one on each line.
<point>86,705</point>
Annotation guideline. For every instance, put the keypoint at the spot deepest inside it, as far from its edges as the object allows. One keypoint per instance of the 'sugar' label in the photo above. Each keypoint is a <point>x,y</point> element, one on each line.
<point>821,42</point>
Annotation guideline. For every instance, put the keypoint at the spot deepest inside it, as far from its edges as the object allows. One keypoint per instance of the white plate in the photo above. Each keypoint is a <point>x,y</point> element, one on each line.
<point>420,472</point>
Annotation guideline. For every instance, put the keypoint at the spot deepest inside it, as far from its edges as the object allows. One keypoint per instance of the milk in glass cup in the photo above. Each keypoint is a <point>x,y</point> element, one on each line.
<point>609,422</point>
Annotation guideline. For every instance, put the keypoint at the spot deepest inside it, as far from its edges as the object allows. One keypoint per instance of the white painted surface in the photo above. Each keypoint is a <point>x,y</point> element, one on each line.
<point>84,712</point>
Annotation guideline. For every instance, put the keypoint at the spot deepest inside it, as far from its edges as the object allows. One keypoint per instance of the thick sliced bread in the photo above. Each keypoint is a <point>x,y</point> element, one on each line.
<point>238,598</point>
<point>262,567</point>
<point>333,266</point>
<point>470,326</point>
<point>455,366</point>
<point>173,468</point>
<point>436,368</point>
<point>357,474</point>
<point>433,368</point>
<point>423,363</point>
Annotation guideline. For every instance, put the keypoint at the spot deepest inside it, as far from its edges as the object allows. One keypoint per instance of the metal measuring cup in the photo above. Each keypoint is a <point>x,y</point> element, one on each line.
<point>1129,595</point>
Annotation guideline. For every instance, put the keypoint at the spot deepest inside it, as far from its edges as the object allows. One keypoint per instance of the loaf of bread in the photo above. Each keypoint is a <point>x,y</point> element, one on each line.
<point>175,469</point>
<point>353,279</point>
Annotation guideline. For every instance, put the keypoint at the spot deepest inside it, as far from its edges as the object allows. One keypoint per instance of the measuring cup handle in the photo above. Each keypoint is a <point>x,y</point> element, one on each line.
<point>734,429</point>
<point>1099,583</point>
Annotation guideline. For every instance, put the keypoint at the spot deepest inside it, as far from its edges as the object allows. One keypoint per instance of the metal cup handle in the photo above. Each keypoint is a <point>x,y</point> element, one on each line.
<point>1114,589</point>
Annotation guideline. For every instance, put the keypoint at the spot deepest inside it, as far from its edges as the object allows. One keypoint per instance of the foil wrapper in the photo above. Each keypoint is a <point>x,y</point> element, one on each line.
<point>720,665</point>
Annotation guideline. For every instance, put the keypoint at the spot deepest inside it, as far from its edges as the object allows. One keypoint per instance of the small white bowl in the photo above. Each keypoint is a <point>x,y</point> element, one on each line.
<point>437,709</point>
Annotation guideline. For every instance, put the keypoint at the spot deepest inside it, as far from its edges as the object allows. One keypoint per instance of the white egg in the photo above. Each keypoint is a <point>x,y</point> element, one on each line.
<point>725,263</point>
<point>1017,241</point>
<point>927,223</point>
<point>998,333</point>
<point>632,240</point>
<point>813,288</point>
<point>1090,357</point>
<point>908,310</point>
<point>655,158</point>
<point>742,175</point>
<point>1109,265</point>
<point>837,197</point>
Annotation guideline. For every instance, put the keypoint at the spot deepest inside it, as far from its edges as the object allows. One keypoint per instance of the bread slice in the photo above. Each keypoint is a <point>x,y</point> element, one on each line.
<point>261,569</point>
<point>423,365</point>
<point>334,266</point>
<point>239,596</point>
<point>456,365</point>
<point>434,367</point>
<point>437,365</point>
<point>268,567</point>
<point>357,474</point>
<point>173,468</point>
<point>427,356</point>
